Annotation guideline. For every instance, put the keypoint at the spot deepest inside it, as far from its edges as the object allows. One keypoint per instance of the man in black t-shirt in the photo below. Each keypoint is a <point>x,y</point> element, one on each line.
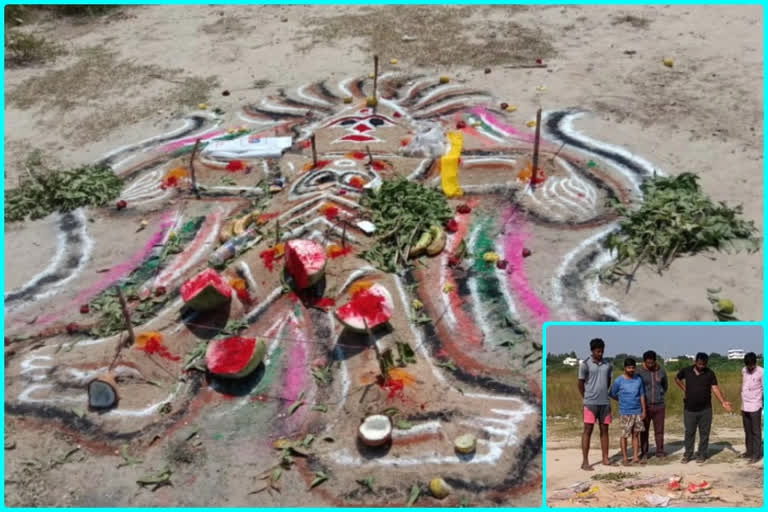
<point>698,383</point>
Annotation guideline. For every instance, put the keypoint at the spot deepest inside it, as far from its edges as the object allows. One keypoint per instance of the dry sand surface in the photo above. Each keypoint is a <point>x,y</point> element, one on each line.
<point>136,72</point>
<point>734,482</point>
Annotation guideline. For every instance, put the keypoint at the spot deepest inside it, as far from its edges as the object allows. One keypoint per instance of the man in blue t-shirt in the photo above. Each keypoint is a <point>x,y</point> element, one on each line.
<point>629,390</point>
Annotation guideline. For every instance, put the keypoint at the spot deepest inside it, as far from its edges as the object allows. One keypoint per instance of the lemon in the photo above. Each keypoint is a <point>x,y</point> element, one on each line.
<point>439,488</point>
<point>725,306</point>
<point>371,101</point>
<point>491,257</point>
<point>348,99</point>
<point>444,79</point>
<point>394,62</point>
<point>669,62</point>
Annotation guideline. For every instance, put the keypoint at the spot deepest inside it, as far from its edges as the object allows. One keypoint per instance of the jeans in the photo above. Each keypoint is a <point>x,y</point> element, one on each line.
<point>703,421</point>
<point>753,435</point>
<point>654,413</point>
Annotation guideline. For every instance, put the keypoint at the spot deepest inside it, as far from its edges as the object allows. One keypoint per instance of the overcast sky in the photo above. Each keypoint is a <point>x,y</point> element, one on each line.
<point>666,340</point>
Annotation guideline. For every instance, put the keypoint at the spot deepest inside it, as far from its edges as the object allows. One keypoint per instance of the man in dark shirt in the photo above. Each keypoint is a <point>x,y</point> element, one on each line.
<point>656,385</point>
<point>698,383</point>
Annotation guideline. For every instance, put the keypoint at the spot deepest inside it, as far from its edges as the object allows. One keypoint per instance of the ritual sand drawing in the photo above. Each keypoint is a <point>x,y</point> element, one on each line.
<point>477,358</point>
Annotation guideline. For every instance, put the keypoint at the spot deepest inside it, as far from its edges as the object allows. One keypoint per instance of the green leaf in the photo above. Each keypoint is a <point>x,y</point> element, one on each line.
<point>392,411</point>
<point>320,408</point>
<point>446,364</point>
<point>367,482</point>
<point>415,493</point>
<point>298,403</point>
<point>320,477</point>
<point>403,424</point>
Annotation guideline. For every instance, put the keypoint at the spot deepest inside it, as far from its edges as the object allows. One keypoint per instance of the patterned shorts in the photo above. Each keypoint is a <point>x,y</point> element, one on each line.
<point>631,423</point>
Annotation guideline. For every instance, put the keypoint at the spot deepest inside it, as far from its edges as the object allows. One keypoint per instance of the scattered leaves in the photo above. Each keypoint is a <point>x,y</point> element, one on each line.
<point>320,477</point>
<point>405,354</point>
<point>415,493</point>
<point>157,480</point>
<point>295,405</point>
<point>401,210</point>
<point>449,365</point>
<point>675,219</point>
<point>127,459</point>
<point>44,191</point>
<point>403,424</point>
<point>368,483</point>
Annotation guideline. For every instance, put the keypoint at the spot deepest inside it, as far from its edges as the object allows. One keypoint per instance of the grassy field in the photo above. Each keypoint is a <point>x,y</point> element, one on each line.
<point>563,398</point>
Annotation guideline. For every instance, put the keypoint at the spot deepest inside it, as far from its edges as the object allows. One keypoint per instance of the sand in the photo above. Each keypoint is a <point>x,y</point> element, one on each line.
<point>134,73</point>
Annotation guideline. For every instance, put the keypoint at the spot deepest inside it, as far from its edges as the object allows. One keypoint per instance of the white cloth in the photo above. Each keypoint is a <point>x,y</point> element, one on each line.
<point>248,147</point>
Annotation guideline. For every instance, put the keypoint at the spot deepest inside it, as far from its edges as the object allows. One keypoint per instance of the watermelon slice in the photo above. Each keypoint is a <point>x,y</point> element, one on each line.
<point>206,291</point>
<point>305,262</point>
<point>372,307</point>
<point>235,357</point>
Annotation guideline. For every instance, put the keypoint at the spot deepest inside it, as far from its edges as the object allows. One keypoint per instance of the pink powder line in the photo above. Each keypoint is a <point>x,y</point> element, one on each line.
<point>294,378</point>
<point>500,125</point>
<point>210,224</point>
<point>190,140</point>
<point>514,243</point>
<point>117,272</point>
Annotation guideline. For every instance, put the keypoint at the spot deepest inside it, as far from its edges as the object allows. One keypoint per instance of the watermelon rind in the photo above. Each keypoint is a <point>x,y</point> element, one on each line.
<point>210,297</point>
<point>259,351</point>
<point>354,322</point>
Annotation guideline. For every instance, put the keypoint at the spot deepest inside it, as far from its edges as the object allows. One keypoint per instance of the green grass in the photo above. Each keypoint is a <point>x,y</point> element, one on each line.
<point>563,398</point>
<point>23,49</point>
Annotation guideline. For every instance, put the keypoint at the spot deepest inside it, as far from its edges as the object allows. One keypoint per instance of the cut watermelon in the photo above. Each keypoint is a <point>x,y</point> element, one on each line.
<point>371,306</point>
<point>235,357</point>
<point>206,291</point>
<point>305,262</point>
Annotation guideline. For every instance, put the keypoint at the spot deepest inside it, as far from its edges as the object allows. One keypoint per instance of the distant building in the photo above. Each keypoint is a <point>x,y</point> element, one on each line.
<point>672,360</point>
<point>690,356</point>
<point>571,361</point>
<point>736,353</point>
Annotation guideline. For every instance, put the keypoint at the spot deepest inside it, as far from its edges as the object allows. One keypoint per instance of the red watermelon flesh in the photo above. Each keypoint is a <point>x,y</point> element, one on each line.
<point>305,262</point>
<point>372,307</point>
<point>206,291</point>
<point>234,357</point>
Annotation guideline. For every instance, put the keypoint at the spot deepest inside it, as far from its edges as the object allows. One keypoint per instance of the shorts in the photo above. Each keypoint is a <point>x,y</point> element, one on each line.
<point>631,423</point>
<point>597,414</point>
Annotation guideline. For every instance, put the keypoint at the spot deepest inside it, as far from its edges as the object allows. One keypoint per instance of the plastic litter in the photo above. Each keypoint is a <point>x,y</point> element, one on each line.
<point>428,142</point>
<point>657,501</point>
<point>248,147</point>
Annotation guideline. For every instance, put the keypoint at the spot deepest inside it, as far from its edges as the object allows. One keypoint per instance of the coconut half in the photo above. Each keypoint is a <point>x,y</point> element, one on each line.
<point>376,430</point>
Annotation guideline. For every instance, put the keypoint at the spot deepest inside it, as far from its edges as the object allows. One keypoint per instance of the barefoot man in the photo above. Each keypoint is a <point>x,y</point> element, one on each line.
<point>698,383</point>
<point>594,381</point>
<point>752,407</point>
<point>629,390</point>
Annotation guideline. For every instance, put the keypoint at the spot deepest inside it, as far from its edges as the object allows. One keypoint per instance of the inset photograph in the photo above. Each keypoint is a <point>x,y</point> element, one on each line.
<point>654,415</point>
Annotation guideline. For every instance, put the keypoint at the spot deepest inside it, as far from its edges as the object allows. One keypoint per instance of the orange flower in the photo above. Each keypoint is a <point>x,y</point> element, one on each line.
<point>360,286</point>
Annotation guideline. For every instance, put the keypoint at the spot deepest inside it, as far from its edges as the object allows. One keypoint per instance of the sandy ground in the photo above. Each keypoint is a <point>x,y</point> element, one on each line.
<point>734,482</point>
<point>134,73</point>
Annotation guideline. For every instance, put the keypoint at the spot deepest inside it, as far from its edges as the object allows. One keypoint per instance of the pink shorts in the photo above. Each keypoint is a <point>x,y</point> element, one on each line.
<point>597,414</point>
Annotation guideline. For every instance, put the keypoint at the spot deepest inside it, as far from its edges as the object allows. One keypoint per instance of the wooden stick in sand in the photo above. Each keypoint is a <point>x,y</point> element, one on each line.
<point>375,74</point>
<point>535,172</point>
<point>102,391</point>
<point>192,168</point>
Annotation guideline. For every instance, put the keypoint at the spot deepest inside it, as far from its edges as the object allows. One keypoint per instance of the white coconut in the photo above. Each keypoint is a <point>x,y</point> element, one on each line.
<point>376,430</point>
